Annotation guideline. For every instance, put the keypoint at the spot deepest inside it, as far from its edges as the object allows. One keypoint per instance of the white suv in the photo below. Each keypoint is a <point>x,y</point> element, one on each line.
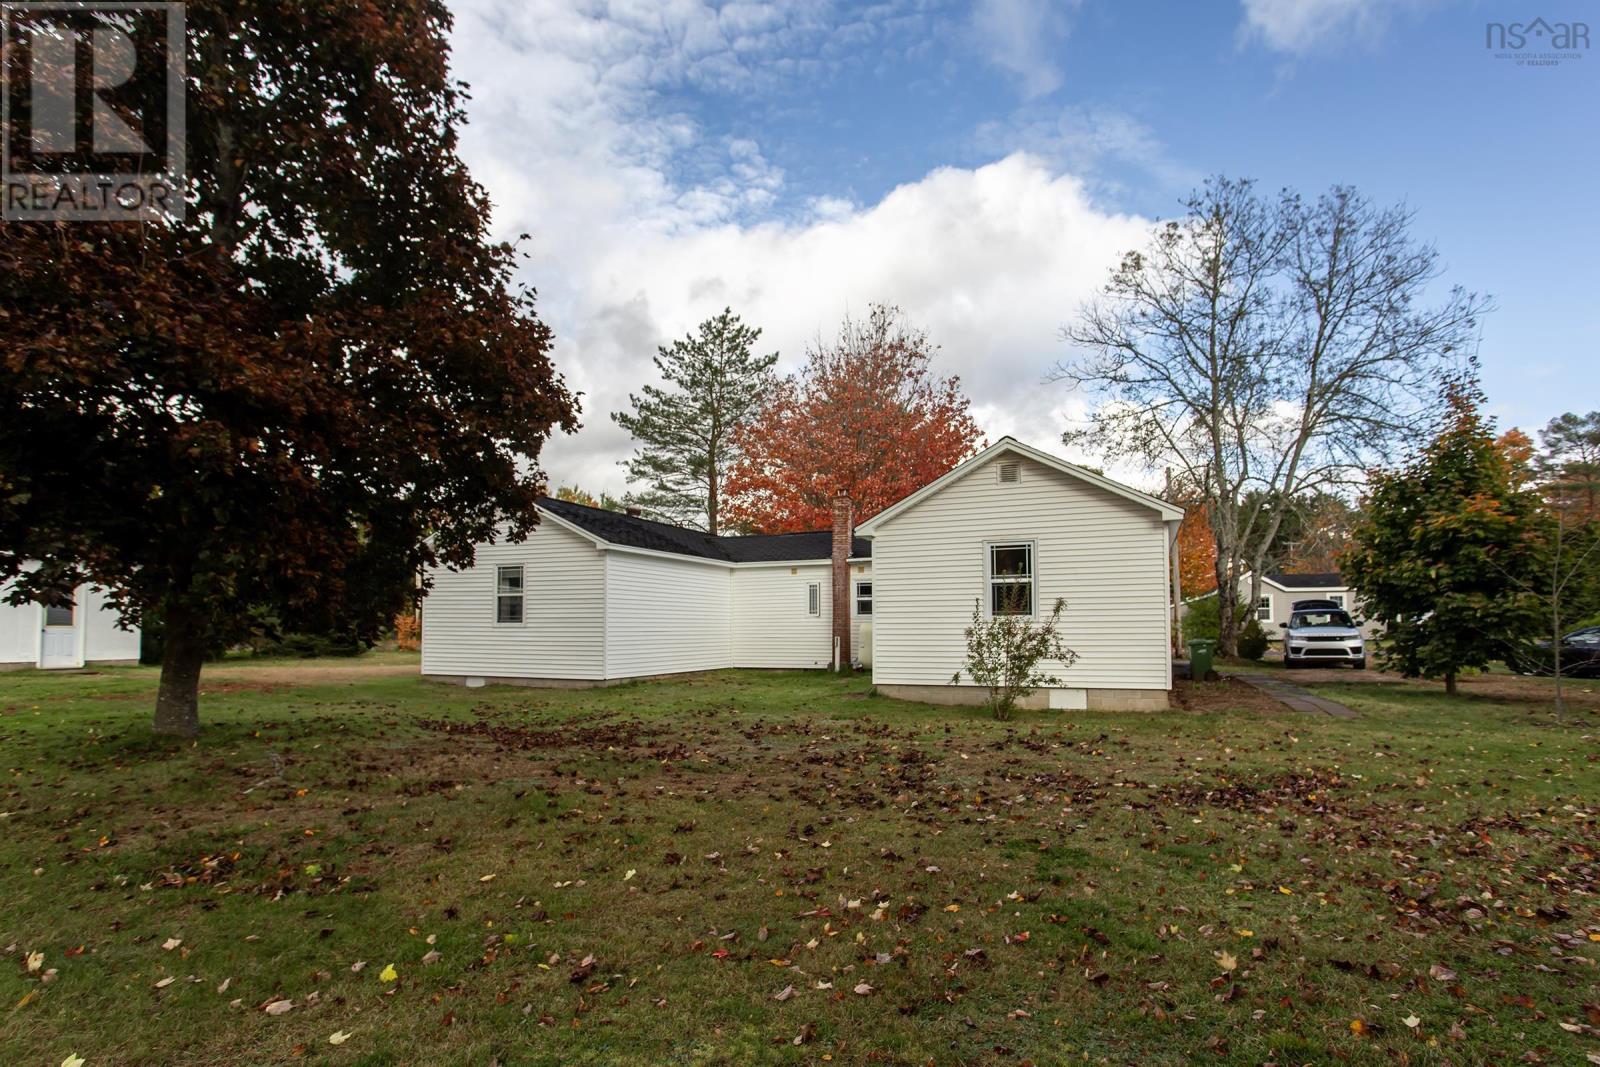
<point>1322,635</point>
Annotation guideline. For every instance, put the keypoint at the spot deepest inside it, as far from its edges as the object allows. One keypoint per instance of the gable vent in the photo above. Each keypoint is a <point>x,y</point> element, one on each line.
<point>1011,471</point>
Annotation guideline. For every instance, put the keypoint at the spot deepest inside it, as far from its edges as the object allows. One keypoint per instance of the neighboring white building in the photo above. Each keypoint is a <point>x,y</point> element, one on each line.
<point>594,597</point>
<point>1280,589</point>
<point>64,635</point>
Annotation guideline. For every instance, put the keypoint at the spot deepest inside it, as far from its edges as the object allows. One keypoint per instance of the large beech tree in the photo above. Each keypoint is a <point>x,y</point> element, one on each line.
<point>318,381</point>
<point>866,415</point>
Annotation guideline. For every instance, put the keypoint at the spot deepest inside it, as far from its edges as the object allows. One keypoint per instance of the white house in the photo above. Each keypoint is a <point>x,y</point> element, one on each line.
<point>594,597</point>
<point>74,634</point>
<point>1280,589</point>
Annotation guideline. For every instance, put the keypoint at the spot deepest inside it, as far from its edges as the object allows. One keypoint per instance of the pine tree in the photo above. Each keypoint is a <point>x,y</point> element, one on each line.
<point>1445,556</point>
<point>686,431</point>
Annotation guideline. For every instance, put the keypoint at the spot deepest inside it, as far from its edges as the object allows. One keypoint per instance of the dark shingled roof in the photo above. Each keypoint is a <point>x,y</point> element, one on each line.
<point>1324,580</point>
<point>619,528</point>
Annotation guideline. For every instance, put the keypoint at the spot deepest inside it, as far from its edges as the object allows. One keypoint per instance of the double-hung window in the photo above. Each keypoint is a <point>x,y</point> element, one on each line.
<point>508,594</point>
<point>1264,609</point>
<point>1011,575</point>
<point>1337,598</point>
<point>863,598</point>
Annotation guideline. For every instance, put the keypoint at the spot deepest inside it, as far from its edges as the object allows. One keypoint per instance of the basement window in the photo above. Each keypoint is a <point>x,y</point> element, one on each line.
<point>1010,577</point>
<point>863,598</point>
<point>508,594</point>
<point>813,598</point>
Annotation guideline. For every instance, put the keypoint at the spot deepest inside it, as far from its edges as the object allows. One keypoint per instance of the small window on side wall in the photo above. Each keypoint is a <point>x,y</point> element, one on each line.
<point>863,598</point>
<point>1264,609</point>
<point>1011,578</point>
<point>1337,598</point>
<point>813,598</point>
<point>508,594</point>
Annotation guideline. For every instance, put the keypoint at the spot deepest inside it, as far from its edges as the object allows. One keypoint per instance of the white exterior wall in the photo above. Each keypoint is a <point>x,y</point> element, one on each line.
<point>562,635</point>
<point>771,623</point>
<point>1107,556</point>
<point>104,640</point>
<point>99,639</point>
<point>859,572</point>
<point>19,633</point>
<point>666,615</point>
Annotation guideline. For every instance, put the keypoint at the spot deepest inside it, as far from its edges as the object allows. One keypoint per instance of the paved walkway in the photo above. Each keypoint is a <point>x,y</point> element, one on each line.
<point>1293,696</point>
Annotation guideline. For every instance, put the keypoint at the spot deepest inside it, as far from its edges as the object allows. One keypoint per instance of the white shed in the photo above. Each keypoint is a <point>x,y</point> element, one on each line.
<point>81,632</point>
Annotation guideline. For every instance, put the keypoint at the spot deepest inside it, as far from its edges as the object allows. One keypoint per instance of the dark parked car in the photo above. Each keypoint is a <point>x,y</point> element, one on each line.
<point>1316,605</point>
<point>1580,655</point>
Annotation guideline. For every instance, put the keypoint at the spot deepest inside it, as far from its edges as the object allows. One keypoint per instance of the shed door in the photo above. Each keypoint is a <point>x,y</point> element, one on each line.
<point>59,645</point>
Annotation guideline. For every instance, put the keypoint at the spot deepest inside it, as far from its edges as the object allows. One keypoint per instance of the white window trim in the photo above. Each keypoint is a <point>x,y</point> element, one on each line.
<point>1338,598</point>
<point>1264,608</point>
<point>988,573</point>
<point>859,598</point>
<point>522,574</point>
<point>814,599</point>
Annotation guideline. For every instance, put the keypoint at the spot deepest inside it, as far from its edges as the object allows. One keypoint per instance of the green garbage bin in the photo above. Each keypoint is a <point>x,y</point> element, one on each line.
<point>1201,649</point>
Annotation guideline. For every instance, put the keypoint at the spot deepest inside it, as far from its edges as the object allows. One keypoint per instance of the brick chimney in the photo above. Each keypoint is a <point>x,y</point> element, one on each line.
<point>844,529</point>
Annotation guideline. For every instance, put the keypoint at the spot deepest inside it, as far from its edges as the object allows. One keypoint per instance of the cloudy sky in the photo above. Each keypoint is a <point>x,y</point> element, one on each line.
<point>983,164</point>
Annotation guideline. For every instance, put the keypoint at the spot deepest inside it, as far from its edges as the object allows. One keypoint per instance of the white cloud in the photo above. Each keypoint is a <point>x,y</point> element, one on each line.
<point>643,223</point>
<point>1321,25</point>
<point>1024,38</point>
<point>1087,141</point>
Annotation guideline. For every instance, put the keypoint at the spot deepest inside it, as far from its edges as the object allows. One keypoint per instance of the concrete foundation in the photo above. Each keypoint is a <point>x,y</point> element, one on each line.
<point>1097,699</point>
<point>553,683</point>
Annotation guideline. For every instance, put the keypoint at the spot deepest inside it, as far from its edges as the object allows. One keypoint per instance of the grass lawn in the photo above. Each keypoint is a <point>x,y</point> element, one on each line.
<point>780,868</point>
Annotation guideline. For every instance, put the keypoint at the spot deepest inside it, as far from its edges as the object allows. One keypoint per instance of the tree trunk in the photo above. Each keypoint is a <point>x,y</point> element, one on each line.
<point>1227,610</point>
<point>1450,684</point>
<point>1555,650</point>
<point>178,699</point>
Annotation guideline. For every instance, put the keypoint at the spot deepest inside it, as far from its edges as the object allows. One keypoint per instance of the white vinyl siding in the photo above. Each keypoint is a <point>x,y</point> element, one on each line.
<point>562,632</point>
<point>104,640</point>
<point>1105,555</point>
<point>666,616</point>
<point>99,639</point>
<point>772,623</point>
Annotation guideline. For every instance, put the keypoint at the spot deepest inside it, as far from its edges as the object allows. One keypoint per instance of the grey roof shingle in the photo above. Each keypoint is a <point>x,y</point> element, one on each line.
<point>619,528</point>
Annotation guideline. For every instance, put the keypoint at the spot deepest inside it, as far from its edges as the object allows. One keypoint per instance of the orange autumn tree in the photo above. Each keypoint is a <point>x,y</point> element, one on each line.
<point>1197,552</point>
<point>866,415</point>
